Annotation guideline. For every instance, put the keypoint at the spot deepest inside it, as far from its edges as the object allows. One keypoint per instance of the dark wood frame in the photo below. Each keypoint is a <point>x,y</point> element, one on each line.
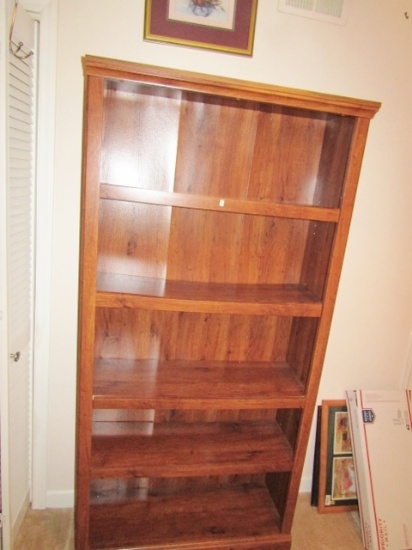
<point>328,457</point>
<point>238,40</point>
<point>314,497</point>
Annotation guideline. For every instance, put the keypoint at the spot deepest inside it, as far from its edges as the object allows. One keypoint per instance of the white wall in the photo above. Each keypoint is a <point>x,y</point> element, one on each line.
<point>369,57</point>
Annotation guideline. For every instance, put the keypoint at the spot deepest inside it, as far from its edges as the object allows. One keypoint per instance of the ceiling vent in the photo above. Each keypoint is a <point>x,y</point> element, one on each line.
<point>332,11</point>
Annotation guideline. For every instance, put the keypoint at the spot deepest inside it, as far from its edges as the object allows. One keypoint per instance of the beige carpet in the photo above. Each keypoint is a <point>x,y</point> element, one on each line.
<point>46,530</point>
<point>333,531</point>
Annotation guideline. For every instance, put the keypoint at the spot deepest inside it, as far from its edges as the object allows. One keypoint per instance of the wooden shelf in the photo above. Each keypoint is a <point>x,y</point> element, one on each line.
<point>145,449</point>
<point>114,290</point>
<point>230,87</point>
<point>235,517</point>
<point>122,383</point>
<point>218,204</point>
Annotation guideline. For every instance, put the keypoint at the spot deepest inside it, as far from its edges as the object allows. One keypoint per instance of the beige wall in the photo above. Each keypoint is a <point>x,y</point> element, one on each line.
<point>369,57</point>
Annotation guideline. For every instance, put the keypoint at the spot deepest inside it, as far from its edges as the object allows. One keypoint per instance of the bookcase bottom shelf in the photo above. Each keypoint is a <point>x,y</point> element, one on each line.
<point>235,517</point>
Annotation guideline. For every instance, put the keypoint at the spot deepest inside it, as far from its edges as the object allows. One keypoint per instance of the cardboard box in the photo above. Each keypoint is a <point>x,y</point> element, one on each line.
<point>381,432</point>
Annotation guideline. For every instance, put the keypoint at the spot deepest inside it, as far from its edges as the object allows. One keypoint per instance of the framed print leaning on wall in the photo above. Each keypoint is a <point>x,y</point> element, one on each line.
<point>337,481</point>
<point>221,25</point>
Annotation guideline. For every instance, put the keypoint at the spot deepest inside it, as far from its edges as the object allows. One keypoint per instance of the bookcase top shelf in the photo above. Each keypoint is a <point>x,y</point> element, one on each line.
<point>266,93</point>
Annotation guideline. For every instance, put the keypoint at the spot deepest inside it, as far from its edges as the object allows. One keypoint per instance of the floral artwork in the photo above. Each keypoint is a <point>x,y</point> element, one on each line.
<point>205,8</point>
<point>213,13</point>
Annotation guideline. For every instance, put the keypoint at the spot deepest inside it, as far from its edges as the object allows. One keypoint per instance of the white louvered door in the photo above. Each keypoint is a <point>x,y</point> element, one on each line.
<point>17,310</point>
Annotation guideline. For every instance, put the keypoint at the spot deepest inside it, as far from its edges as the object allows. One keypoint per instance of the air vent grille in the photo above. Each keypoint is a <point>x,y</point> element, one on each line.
<point>333,11</point>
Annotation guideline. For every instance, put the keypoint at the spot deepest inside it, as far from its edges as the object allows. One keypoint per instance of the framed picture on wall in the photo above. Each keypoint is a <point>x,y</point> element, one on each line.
<point>221,25</point>
<point>337,480</point>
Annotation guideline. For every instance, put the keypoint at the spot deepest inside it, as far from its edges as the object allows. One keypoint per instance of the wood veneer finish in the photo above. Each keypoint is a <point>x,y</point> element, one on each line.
<point>181,450</point>
<point>170,295</point>
<point>188,385</point>
<point>218,519</point>
<point>215,214</point>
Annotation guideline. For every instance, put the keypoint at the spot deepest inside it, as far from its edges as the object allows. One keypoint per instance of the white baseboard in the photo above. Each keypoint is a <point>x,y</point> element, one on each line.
<point>60,499</point>
<point>305,485</point>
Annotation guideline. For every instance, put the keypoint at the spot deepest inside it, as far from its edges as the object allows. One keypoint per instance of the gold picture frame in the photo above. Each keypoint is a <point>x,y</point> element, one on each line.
<point>221,25</point>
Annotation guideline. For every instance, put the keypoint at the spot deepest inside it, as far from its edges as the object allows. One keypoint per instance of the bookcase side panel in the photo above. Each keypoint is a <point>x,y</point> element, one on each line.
<point>87,295</point>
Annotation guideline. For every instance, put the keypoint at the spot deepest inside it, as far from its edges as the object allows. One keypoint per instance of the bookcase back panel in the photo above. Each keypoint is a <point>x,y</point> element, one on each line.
<point>129,489</point>
<point>139,140</point>
<point>143,334</point>
<point>284,135</point>
<point>216,146</point>
<point>195,245</point>
<point>165,140</point>
<point>133,239</point>
<point>236,248</point>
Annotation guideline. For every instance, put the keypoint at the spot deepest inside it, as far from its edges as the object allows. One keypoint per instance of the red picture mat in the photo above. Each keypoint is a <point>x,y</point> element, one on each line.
<point>238,40</point>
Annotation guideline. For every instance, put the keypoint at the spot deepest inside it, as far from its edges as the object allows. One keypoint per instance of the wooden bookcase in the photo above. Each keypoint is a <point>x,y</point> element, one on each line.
<point>215,214</point>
